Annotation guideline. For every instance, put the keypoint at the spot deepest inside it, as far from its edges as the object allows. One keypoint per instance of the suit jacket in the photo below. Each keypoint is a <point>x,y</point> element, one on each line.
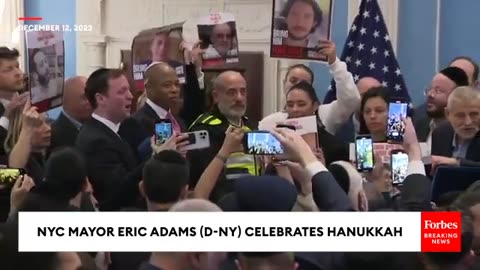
<point>421,122</point>
<point>442,139</point>
<point>64,133</point>
<point>112,168</point>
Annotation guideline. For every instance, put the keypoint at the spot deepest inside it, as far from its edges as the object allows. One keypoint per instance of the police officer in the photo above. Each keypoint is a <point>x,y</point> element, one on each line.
<point>230,98</point>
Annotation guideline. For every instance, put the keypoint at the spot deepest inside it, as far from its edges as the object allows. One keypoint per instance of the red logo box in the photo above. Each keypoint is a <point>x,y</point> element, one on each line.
<point>441,232</point>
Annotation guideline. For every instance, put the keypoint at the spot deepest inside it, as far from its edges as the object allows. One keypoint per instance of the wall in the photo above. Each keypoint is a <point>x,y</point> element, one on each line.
<point>57,12</point>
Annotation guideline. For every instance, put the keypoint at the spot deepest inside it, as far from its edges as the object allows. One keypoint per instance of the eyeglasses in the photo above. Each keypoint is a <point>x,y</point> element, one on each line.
<point>435,91</point>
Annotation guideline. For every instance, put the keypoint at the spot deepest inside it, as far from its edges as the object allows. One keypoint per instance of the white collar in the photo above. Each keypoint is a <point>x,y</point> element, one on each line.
<point>114,127</point>
<point>161,112</point>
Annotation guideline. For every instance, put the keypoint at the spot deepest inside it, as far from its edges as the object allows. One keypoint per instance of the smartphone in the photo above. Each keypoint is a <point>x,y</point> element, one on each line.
<point>395,127</point>
<point>364,153</point>
<point>287,126</point>
<point>163,131</point>
<point>261,143</point>
<point>197,140</point>
<point>399,165</point>
<point>8,176</point>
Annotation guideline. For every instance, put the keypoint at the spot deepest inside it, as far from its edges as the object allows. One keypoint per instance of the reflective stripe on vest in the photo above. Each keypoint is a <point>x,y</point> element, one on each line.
<point>239,164</point>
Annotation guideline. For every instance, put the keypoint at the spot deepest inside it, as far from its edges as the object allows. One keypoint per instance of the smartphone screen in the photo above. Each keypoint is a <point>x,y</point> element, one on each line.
<point>10,175</point>
<point>399,163</point>
<point>364,153</point>
<point>395,127</point>
<point>262,143</point>
<point>163,131</point>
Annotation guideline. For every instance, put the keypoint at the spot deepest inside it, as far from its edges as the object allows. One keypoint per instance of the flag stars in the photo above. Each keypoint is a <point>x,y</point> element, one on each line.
<point>398,87</point>
<point>374,50</point>
<point>363,31</point>
<point>371,66</point>
<point>366,14</point>
<point>377,18</point>
<point>387,38</point>
<point>376,34</point>
<point>358,62</point>
<point>386,53</point>
<point>398,72</point>
<point>384,84</point>
<point>361,46</point>
<point>354,28</point>
<point>385,69</point>
<point>350,44</point>
<point>356,78</point>
<point>348,59</point>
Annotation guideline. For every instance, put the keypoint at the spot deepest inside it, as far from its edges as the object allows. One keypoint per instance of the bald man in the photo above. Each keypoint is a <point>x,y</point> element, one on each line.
<point>163,93</point>
<point>351,128</point>
<point>76,110</point>
<point>230,98</point>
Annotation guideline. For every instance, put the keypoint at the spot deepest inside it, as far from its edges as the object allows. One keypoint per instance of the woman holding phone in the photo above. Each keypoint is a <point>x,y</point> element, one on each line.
<point>302,101</point>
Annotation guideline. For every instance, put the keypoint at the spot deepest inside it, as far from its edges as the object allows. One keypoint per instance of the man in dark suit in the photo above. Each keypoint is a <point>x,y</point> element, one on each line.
<point>163,91</point>
<point>76,110</point>
<point>432,113</point>
<point>112,167</point>
<point>457,142</point>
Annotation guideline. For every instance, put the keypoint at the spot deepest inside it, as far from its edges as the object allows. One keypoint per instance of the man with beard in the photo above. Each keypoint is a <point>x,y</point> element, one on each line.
<point>222,42</point>
<point>230,98</point>
<point>437,94</point>
<point>46,85</point>
<point>302,17</point>
<point>457,142</point>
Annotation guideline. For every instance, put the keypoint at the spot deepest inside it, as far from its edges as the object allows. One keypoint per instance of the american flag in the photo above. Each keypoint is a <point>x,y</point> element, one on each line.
<point>368,52</point>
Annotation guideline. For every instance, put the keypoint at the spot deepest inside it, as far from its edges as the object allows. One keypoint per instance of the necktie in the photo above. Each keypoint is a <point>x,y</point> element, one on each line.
<point>175,126</point>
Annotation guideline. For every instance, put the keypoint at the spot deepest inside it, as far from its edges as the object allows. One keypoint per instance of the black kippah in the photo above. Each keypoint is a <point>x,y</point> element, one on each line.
<point>457,75</point>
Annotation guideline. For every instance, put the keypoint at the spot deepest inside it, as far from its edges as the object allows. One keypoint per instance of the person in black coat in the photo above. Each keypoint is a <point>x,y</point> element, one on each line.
<point>112,166</point>
<point>76,110</point>
<point>457,142</point>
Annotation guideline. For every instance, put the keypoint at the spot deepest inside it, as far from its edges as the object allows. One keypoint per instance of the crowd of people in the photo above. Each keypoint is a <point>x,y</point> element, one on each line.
<point>98,155</point>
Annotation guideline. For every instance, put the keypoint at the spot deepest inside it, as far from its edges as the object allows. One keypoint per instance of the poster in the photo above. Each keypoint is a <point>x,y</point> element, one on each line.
<point>298,26</point>
<point>161,44</point>
<point>304,126</point>
<point>46,68</point>
<point>218,36</point>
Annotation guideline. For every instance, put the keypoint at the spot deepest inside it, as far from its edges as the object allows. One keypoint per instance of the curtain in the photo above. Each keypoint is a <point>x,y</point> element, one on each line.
<point>10,11</point>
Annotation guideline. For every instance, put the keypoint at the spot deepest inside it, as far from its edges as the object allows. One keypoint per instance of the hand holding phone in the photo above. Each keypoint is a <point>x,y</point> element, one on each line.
<point>163,131</point>
<point>399,165</point>
<point>397,111</point>
<point>8,176</point>
<point>262,143</point>
<point>364,153</point>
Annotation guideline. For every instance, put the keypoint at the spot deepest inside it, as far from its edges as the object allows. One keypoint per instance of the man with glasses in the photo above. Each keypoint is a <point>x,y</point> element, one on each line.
<point>437,94</point>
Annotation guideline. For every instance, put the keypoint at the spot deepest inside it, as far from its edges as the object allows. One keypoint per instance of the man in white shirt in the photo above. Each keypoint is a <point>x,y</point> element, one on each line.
<point>334,114</point>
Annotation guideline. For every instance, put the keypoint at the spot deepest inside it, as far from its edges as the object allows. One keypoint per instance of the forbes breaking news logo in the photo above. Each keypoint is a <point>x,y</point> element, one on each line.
<point>441,232</point>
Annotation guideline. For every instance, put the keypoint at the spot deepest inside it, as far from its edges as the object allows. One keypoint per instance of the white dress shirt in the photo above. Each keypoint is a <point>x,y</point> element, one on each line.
<point>114,127</point>
<point>335,114</point>
<point>161,112</point>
